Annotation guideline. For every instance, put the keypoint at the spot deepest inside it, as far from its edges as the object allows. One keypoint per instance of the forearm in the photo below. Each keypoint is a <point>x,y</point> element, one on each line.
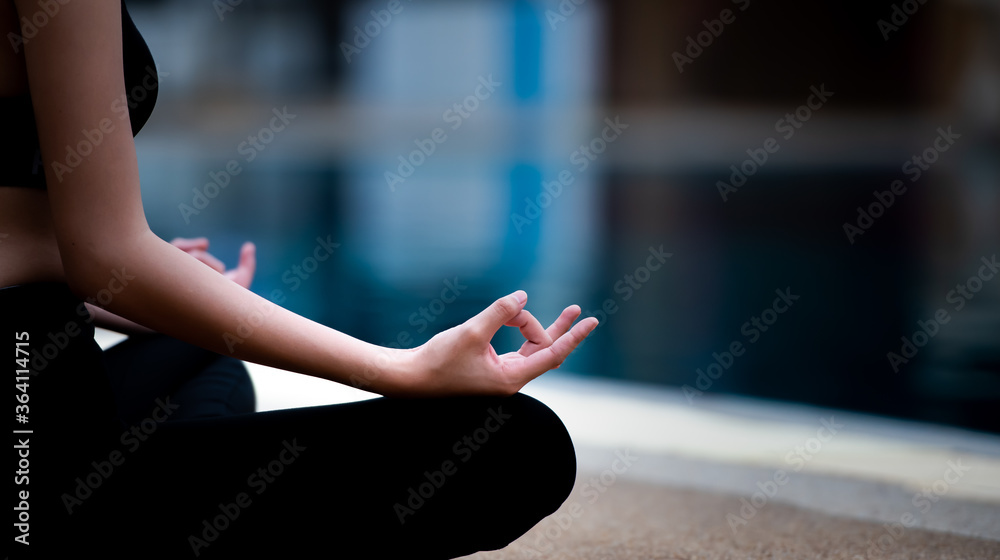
<point>155,284</point>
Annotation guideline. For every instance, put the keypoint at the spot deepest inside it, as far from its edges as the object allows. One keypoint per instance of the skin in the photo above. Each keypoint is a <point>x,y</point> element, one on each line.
<point>89,229</point>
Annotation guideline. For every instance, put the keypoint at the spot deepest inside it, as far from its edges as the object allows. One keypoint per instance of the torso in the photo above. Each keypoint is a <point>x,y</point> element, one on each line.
<point>28,249</point>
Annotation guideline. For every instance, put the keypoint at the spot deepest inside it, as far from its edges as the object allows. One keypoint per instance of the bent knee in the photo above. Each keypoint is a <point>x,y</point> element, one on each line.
<point>545,443</point>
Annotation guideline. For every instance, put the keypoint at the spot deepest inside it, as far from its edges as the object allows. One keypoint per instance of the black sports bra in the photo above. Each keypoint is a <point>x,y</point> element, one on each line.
<point>20,158</point>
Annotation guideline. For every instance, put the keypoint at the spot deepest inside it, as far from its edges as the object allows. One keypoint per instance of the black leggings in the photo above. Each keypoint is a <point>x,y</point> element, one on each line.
<point>174,476</point>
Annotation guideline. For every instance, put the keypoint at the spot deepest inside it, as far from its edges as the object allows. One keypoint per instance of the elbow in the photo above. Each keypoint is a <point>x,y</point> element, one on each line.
<point>83,280</point>
<point>96,277</point>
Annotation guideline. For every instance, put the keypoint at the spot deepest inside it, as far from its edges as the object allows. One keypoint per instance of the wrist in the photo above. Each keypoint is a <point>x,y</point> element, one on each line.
<point>390,372</point>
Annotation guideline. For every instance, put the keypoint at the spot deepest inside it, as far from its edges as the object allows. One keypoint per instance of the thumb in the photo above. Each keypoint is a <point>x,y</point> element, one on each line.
<point>248,261</point>
<point>246,269</point>
<point>248,254</point>
<point>499,313</point>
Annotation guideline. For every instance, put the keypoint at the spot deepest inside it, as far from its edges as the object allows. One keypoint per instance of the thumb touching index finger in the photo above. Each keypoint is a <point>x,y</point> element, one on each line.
<point>500,312</point>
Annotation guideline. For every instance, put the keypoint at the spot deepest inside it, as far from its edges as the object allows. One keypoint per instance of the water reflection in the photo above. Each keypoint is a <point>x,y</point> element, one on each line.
<point>458,151</point>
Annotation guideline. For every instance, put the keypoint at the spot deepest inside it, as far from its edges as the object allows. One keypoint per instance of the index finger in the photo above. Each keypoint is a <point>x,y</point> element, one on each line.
<point>530,328</point>
<point>185,244</point>
<point>558,328</point>
<point>209,259</point>
<point>553,356</point>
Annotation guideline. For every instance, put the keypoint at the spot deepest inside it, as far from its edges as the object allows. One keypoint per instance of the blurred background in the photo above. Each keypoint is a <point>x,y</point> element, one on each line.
<point>401,164</point>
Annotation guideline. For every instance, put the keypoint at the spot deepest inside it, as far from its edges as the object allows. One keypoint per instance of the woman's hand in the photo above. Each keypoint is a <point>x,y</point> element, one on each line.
<point>243,273</point>
<point>461,360</point>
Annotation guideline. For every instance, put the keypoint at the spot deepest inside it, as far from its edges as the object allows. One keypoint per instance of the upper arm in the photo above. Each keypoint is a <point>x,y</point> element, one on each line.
<point>74,67</point>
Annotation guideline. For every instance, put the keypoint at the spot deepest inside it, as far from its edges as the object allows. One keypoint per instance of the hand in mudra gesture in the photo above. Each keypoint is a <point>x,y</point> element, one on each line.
<point>243,273</point>
<point>461,360</point>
